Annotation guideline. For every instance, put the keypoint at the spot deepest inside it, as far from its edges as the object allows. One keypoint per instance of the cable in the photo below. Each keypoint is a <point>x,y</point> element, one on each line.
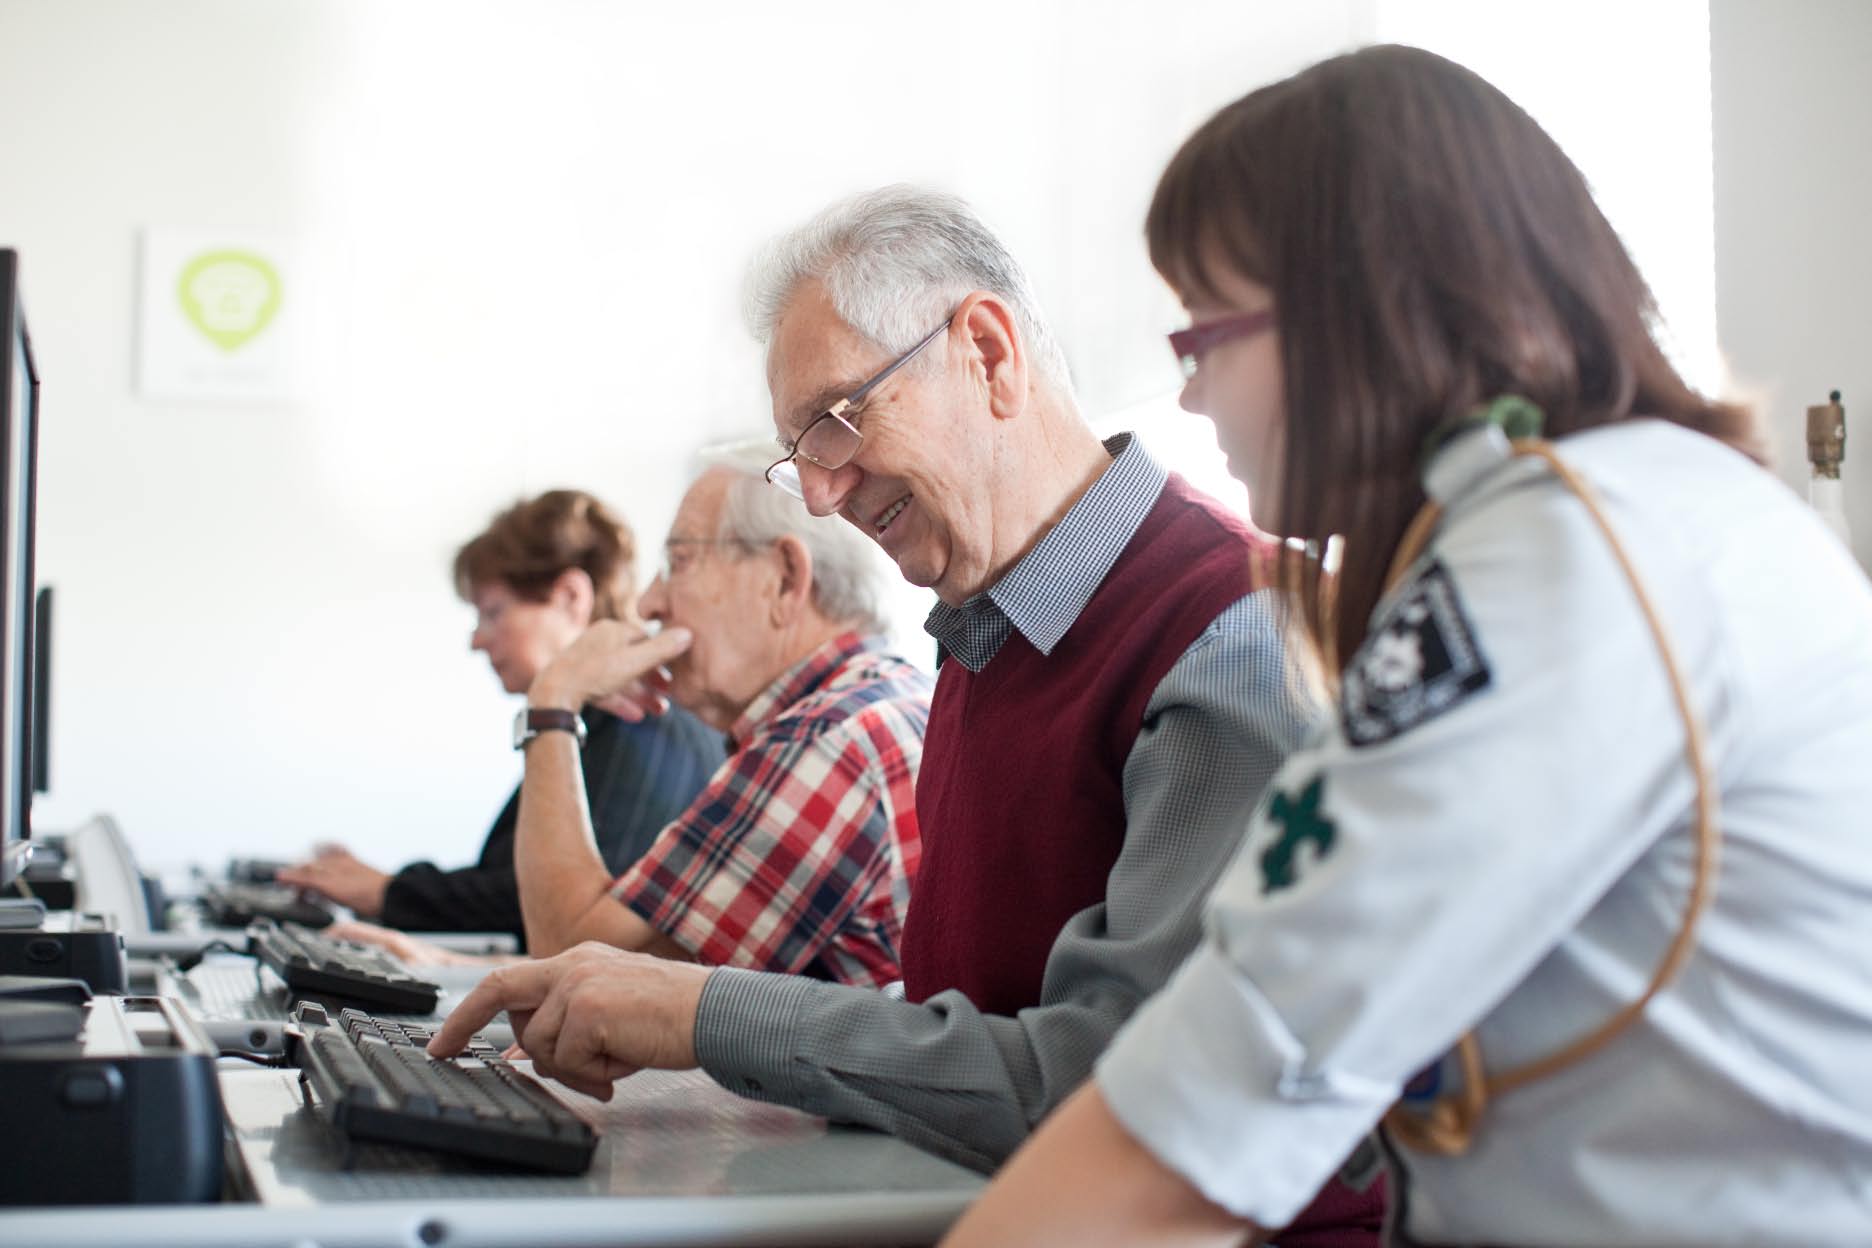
<point>190,961</point>
<point>1448,1126</point>
<point>275,1060</point>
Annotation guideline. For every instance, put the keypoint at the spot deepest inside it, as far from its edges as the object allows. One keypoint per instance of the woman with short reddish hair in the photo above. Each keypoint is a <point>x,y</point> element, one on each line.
<point>539,574</point>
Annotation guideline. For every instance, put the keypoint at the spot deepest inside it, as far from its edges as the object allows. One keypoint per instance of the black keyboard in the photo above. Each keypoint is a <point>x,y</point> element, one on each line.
<point>230,904</point>
<point>318,966</point>
<point>255,870</point>
<point>379,1084</point>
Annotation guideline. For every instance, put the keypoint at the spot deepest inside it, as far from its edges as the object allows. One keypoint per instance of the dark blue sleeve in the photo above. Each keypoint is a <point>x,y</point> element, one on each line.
<point>423,897</point>
<point>640,777</point>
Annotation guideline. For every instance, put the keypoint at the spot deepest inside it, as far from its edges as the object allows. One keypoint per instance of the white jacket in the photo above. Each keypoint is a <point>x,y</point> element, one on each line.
<point>1495,834</point>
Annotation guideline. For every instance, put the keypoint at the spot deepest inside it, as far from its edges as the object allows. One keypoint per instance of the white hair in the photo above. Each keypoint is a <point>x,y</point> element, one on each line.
<point>894,262</point>
<point>848,571</point>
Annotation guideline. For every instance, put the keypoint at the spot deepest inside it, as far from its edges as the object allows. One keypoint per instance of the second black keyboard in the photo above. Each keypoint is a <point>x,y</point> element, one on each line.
<point>227,903</point>
<point>319,966</point>
<point>378,1082</point>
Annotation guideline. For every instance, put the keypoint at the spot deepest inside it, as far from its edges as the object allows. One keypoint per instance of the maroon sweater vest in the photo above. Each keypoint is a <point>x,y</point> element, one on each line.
<point>1020,796</point>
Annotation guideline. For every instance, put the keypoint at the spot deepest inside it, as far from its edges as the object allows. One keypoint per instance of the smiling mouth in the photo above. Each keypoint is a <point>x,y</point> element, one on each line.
<point>889,514</point>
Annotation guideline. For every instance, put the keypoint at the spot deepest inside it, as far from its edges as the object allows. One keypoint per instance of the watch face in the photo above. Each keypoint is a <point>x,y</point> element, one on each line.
<point>522,734</point>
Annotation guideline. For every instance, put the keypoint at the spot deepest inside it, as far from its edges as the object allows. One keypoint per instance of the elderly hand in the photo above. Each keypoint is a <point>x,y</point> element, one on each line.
<point>590,1016</point>
<point>613,665</point>
<point>405,948</point>
<point>342,878</point>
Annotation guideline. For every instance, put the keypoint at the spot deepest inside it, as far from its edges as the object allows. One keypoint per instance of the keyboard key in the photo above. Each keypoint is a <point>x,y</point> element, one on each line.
<point>350,1075</point>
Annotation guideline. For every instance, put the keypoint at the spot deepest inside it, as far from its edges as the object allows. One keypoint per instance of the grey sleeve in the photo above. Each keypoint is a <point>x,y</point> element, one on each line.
<point>971,1086</point>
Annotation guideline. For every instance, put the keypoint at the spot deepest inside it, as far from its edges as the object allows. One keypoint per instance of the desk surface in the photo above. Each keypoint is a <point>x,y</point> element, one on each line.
<point>680,1161</point>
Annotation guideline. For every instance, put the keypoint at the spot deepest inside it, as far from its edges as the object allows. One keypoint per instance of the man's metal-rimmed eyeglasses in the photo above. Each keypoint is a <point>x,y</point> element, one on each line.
<point>678,554</point>
<point>829,440</point>
<point>1191,344</point>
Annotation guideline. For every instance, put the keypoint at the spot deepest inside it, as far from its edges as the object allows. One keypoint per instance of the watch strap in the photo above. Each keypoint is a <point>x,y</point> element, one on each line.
<point>534,720</point>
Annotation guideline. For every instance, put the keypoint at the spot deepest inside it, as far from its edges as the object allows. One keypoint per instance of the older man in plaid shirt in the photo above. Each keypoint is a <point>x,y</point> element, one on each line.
<point>799,854</point>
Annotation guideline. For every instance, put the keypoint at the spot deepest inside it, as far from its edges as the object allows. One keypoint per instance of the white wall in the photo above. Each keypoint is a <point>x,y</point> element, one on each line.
<point>526,225</point>
<point>1624,89</point>
<point>1793,127</point>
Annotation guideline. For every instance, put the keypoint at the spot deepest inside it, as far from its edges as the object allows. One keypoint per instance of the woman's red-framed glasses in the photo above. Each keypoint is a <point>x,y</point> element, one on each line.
<point>1190,344</point>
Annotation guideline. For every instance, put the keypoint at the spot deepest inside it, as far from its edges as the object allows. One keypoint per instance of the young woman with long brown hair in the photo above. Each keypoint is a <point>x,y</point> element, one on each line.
<point>1574,898</point>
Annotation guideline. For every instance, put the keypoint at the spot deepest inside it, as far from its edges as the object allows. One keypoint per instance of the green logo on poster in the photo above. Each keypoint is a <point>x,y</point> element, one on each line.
<point>230,296</point>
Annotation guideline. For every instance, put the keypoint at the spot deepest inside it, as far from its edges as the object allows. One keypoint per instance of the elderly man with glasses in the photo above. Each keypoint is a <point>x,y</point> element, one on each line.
<point>1116,696</point>
<point>799,853</point>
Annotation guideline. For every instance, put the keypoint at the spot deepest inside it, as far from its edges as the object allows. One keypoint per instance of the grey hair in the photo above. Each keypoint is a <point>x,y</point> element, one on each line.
<point>894,262</point>
<point>848,571</point>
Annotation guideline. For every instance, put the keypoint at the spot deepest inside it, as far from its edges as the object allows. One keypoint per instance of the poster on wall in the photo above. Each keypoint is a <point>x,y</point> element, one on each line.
<point>217,316</point>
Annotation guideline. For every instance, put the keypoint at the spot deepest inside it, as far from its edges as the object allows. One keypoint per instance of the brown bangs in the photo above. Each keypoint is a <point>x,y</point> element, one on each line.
<point>500,557</point>
<point>531,544</point>
<point>1200,212</point>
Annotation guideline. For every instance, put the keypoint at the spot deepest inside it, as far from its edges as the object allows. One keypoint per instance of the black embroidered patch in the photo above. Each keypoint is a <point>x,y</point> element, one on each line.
<point>1421,661</point>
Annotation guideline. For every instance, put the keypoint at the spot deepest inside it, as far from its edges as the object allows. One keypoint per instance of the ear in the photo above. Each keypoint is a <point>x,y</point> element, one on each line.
<point>998,356</point>
<point>793,595</point>
<point>572,593</point>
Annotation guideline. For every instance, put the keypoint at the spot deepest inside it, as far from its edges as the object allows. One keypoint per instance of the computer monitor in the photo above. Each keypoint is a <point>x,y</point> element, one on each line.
<point>19,444</point>
<point>41,735</point>
<point>108,880</point>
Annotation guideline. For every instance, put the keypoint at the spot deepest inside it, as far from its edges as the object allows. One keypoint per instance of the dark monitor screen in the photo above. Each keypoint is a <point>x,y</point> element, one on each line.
<point>19,430</point>
<point>41,734</point>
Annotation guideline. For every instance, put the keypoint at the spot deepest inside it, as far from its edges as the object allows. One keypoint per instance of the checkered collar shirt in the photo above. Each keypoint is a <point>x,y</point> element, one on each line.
<point>796,682</point>
<point>797,855</point>
<point>1045,592</point>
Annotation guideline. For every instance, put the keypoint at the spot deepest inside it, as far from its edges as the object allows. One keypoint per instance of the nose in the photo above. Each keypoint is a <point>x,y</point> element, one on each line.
<point>477,640</point>
<point>826,489</point>
<point>654,602</point>
<point>1190,398</point>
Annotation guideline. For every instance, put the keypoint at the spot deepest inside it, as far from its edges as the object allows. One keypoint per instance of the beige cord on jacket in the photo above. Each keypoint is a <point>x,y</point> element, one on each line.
<point>1449,1125</point>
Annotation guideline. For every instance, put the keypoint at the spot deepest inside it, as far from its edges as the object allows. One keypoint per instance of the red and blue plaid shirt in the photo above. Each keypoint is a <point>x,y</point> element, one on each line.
<point>800,853</point>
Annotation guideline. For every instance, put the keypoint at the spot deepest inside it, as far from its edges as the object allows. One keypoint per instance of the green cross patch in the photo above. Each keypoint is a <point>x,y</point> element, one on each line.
<point>1300,821</point>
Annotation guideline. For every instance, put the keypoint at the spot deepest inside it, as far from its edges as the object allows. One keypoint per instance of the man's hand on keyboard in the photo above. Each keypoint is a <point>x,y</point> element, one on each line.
<point>590,1016</point>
